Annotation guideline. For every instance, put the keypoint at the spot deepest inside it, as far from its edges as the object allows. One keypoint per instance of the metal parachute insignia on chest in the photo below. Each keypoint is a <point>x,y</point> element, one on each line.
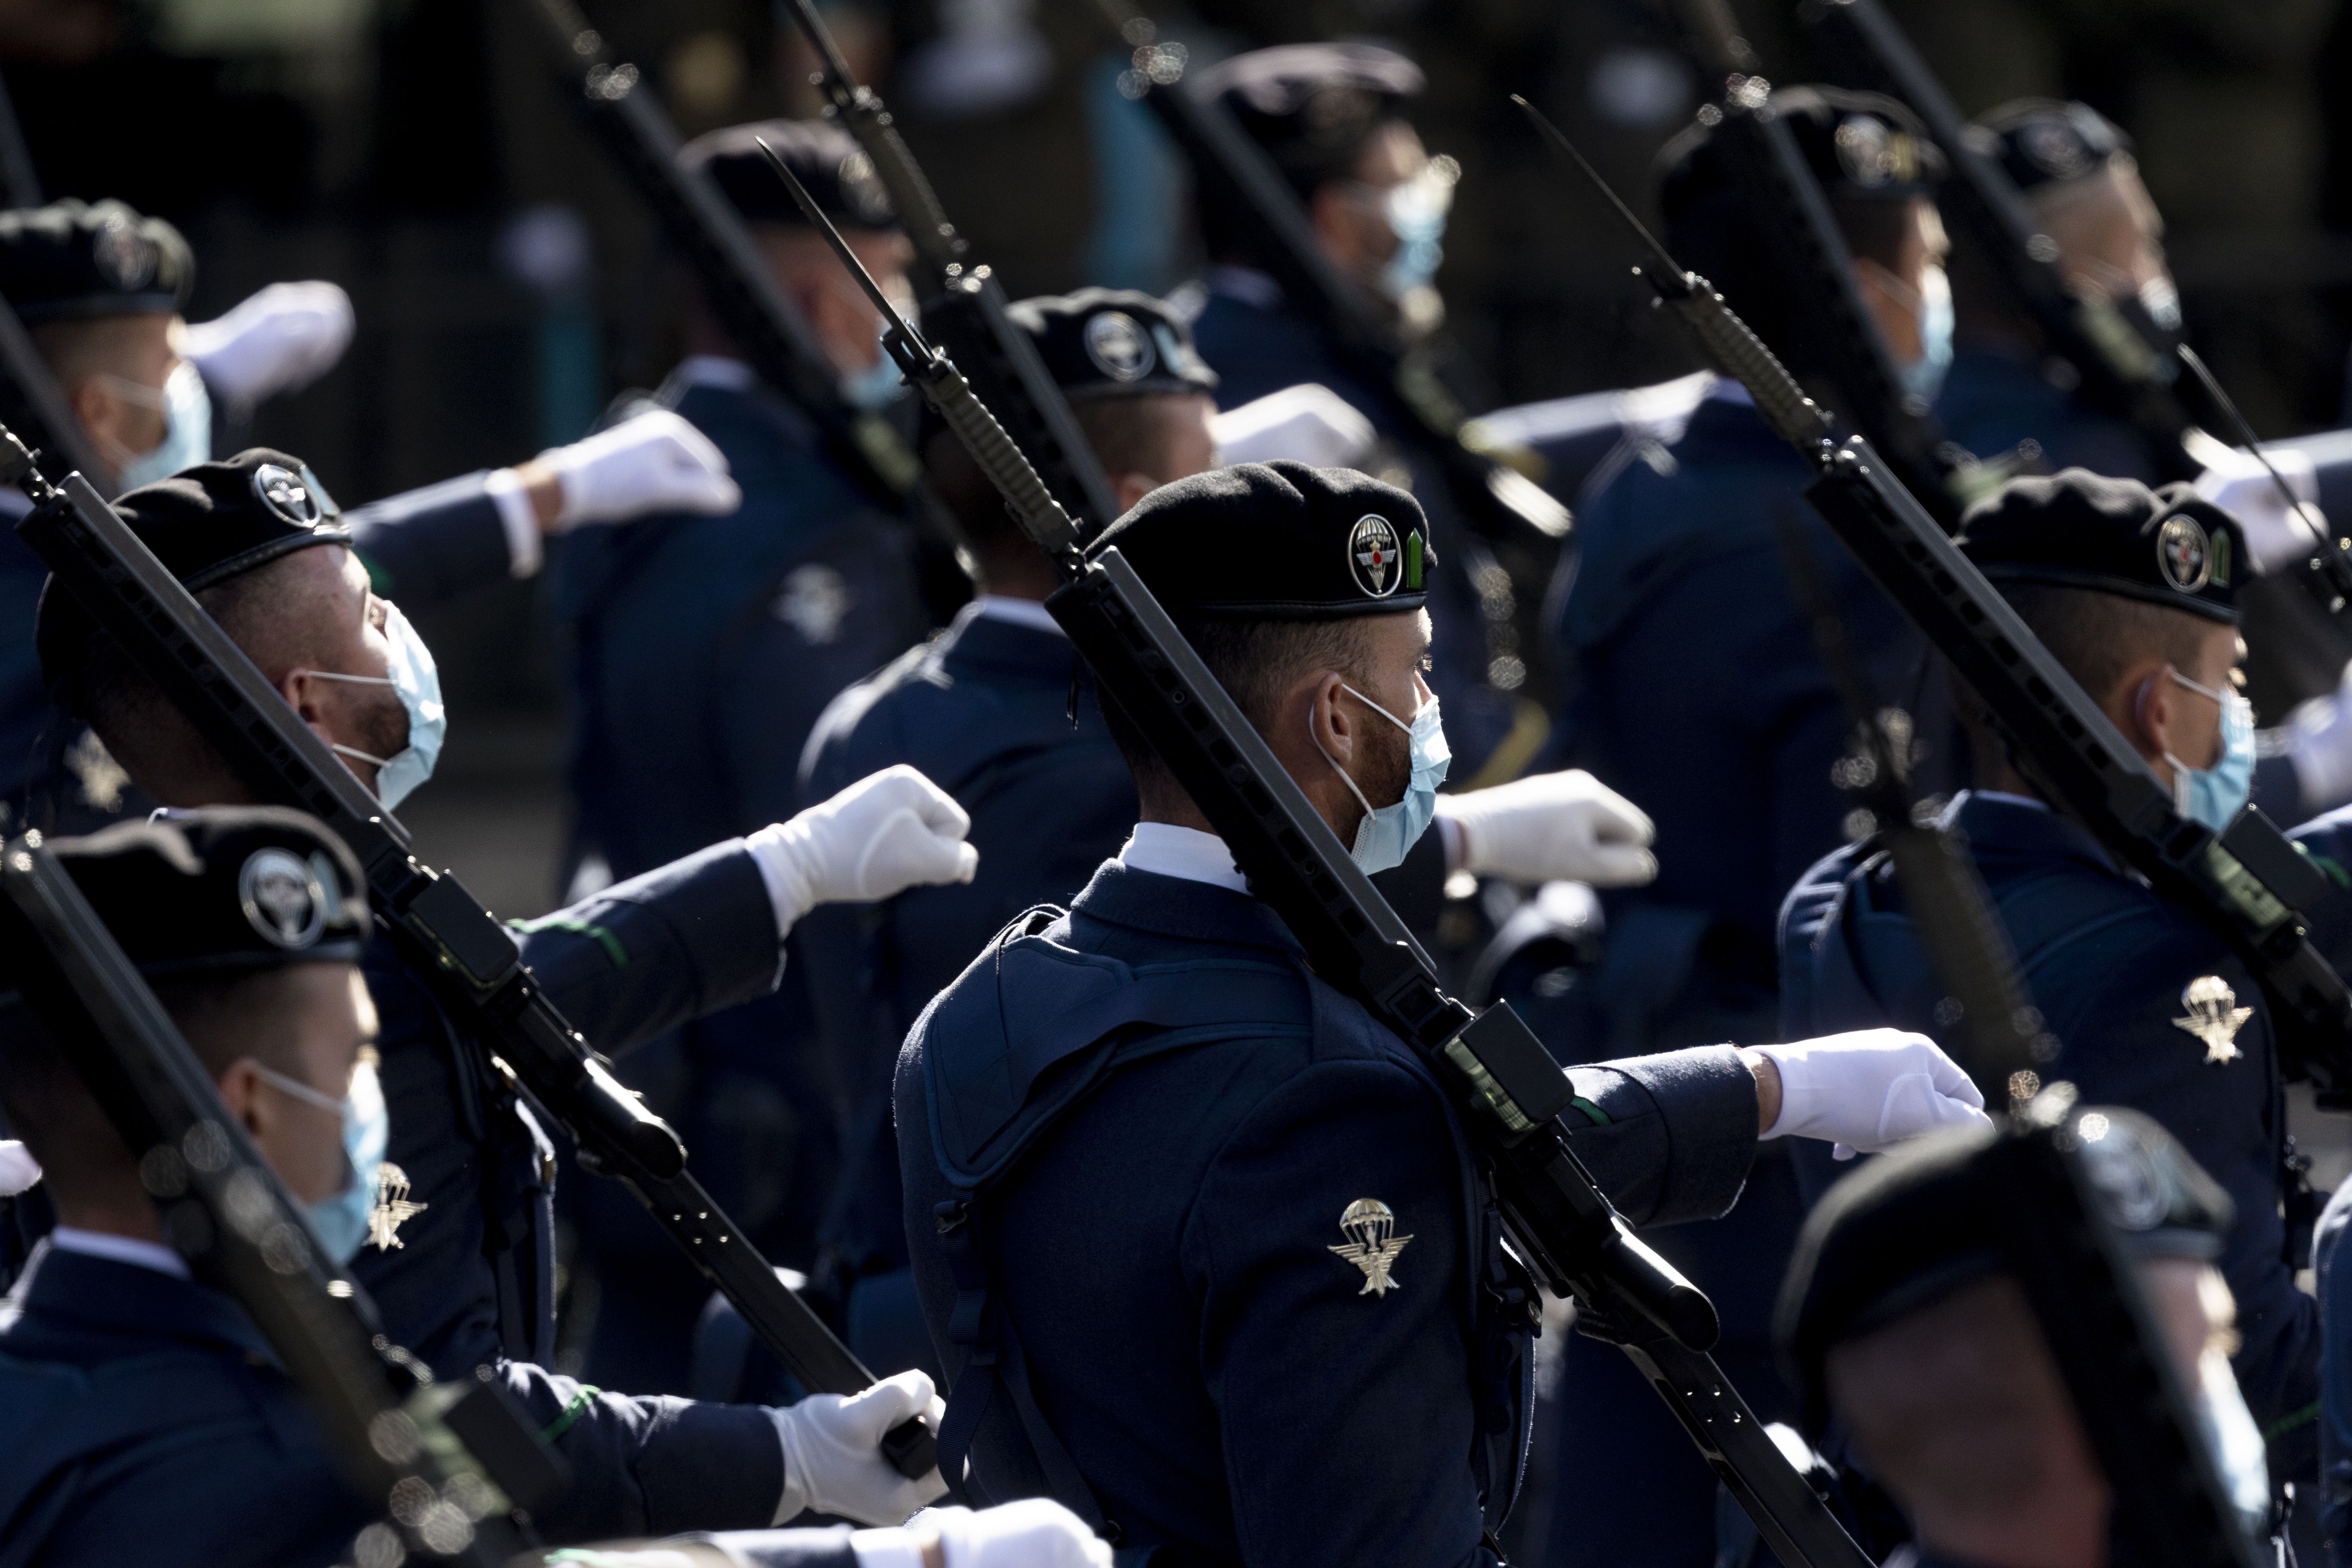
<point>1373,1245</point>
<point>2213,1016</point>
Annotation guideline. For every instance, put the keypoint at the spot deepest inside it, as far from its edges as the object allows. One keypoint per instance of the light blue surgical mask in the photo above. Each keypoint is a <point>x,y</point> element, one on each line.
<point>1924,377</point>
<point>340,1218</point>
<point>1388,832</point>
<point>877,385</point>
<point>417,681</point>
<point>187,410</point>
<point>2213,796</point>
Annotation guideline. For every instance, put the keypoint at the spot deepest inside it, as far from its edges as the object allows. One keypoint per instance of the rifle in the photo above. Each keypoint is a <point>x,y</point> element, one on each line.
<point>2247,882</point>
<point>625,120</point>
<point>392,1428</point>
<point>442,932</point>
<point>967,309</point>
<point>1510,1090</point>
<point>1798,232</point>
<point>1501,503</point>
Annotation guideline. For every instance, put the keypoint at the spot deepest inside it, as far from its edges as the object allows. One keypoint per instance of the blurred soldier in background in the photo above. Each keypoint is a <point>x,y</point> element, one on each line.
<point>100,289</point>
<point>701,650</point>
<point>1330,117</point>
<point>1698,693</point>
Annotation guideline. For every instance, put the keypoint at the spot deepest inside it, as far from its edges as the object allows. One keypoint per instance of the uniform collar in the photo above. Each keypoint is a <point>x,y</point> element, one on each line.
<point>1166,850</point>
<point>1013,612</point>
<point>86,1294</point>
<point>976,638</point>
<point>127,1250</point>
<point>2007,826</point>
<point>1245,284</point>
<point>721,370</point>
<point>1178,907</point>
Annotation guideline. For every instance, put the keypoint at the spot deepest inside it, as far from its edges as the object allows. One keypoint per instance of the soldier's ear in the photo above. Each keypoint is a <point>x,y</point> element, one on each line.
<point>240,1090</point>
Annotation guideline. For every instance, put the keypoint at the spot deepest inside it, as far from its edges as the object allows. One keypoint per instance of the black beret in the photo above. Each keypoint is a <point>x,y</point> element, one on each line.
<point>2078,529</point>
<point>1101,342</point>
<point>1278,541</point>
<point>824,158</point>
<point>1861,146</point>
<point>206,524</point>
<point>74,260</point>
<point>1914,1225</point>
<point>221,891</point>
<point>2041,142</point>
<point>1311,106</point>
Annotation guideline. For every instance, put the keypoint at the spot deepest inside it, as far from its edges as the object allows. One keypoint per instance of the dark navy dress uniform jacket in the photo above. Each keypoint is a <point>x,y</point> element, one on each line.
<point>1700,694</point>
<point>703,648</point>
<point>144,1420</point>
<point>471,1281</point>
<point>2107,961</point>
<point>1158,1210</point>
<point>1995,398</point>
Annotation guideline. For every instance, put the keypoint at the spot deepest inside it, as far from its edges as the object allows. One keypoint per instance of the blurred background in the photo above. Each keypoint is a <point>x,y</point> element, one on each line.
<point>419,152</point>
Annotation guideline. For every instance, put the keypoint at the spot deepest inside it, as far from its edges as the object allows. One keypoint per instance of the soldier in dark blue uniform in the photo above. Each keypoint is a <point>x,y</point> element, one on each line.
<point>460,1256</point>
<point>144,1417</point>
<point>985,710</point>
<point>1698,693</point>
<point>2076,171</point>
<point>1330,117</point>
<point>700,651</point>
<point>2135,592</point>
<point>1900,1321</point>
<point>101,288</point>
<point>1203,1247</point>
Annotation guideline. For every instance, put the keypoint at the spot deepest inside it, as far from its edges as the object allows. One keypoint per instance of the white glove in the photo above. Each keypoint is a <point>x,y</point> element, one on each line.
<point>655,462</point>
<point>1869,1090</point>
<point>1310,423</point>
<point>1036,1532</point>
<point>2236,481</point>
<point>281,339</point>
<point>886,833</point>
<point>18,1168</point>
<point>1553,828</point>
<point>832,1456</point>
<point>2318,739</point>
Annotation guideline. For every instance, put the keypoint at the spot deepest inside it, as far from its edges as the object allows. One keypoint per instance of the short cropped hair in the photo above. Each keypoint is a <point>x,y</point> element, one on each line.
<point>2097,637</point>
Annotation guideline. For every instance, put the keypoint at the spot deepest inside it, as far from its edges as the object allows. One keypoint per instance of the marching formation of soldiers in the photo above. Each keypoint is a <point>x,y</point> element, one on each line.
<point>1023,1048</point>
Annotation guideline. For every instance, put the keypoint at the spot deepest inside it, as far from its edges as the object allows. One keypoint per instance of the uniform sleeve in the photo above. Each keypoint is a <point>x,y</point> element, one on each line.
<point>649,1466</point>
<point>1668,1137</point>
<point>1344,1407</point>
<point>426,545</point>
<point>786,1548</point>
<point>646,955</point>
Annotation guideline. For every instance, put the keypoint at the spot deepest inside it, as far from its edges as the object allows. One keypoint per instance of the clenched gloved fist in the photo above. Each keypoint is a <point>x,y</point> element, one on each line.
<point>1311,424</point>
<point>2318,739</point>
<point>1869,1090</point>
<point>19,1170</point>
<point>655,462</point>
<point>887,832</point>
<point>280,340</point>
<point>1553,828</point>
<point>1036,1532</point>
<point>832,1453</point>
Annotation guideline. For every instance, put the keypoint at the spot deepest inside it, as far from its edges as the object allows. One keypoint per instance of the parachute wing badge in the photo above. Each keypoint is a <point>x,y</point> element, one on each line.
<point>1372,1245</point>
<point>393,1208</point>
<point>2213,1016</point>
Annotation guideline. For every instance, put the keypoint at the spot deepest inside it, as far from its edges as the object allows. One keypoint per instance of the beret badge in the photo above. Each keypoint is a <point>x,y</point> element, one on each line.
<point>1119,347</point>
<point>2184,553</point>
<point>282,896</point>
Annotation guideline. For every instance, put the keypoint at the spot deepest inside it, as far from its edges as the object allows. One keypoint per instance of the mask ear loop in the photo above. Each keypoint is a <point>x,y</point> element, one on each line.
<point>337,746</point>
<point>1336,768</point>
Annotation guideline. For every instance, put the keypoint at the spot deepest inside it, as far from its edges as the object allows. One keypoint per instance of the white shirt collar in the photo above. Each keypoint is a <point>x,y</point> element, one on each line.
<point>120,1249</point>
<point>721,370</point>
<point>1246,284</point>
<point>1019,612</point>
<point>1167,851</point>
